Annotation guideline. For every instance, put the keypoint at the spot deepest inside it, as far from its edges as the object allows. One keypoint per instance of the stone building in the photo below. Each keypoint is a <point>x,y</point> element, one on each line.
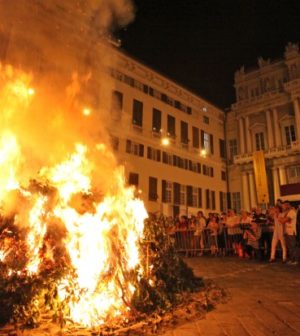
<point>265,116</point>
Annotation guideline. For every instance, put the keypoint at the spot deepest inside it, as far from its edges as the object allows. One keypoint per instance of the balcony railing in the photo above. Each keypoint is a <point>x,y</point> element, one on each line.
<point>270,153</point>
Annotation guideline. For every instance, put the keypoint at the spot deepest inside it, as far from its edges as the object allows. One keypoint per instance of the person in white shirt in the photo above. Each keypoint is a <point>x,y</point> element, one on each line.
<point>278,234</point>
<point>289,221</point>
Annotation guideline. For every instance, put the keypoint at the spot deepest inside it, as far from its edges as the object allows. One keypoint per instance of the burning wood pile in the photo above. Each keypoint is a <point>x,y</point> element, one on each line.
<point>79,254</point>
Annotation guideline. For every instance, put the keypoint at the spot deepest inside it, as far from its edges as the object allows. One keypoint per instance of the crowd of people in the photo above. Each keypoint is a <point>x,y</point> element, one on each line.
<point>257,234</point>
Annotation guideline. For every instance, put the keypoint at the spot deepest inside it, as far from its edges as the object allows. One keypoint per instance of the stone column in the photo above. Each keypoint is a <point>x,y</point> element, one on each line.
<point>276,185</point>
<point>277,129</point>
<point>246,200</point>
<point>270,130</point>
<point>242,136</point>
<point>297,117</point>
<point>282,175</point>
<point>248,136</point>
<point>253,199</point>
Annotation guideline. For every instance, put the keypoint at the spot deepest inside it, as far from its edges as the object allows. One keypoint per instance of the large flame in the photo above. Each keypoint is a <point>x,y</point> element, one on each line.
<point>100,229</point>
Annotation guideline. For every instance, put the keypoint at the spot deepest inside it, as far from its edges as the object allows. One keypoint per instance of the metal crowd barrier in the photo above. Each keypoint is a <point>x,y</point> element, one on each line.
<point>228,240</point>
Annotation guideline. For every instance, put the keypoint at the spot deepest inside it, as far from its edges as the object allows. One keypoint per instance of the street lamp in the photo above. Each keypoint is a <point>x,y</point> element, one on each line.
<point>203,152</point>
<point>165,141</point>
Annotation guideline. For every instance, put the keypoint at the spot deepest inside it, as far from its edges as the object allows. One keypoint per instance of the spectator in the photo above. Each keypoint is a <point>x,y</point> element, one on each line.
<point>233,230</point>
<point>265,240</point>
<point>213,230</point>
<point>199,232</point>
<point>221,235</point>
<point>251,237</point>
<point>289,222</point>
<point>278,235</point>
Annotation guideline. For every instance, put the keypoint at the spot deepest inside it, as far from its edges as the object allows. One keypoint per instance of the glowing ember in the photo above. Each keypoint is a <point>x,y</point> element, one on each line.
<point>98,232</point>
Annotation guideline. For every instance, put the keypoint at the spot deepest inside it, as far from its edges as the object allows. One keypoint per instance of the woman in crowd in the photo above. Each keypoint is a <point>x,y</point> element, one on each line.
<point>251,237</point>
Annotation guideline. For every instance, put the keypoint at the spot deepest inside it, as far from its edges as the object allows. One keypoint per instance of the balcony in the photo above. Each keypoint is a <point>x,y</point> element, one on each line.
<point>271,153</point>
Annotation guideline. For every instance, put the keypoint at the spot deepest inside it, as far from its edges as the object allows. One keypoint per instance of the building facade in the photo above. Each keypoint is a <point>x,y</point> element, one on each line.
<point>170,141</point>
<point>265,116</point>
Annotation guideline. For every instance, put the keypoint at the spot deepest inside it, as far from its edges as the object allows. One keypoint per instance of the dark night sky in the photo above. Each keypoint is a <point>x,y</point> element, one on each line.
<point>201,43</point>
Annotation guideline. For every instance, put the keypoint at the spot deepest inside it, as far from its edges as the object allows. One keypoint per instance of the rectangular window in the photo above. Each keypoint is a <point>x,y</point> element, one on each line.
<point>195,131</point>
<point>206,142</point>
<point>290,134</point>
<point>114,141</point>
<point>133,179</point>
<point>222,148</point>
<point>207,194</point>
<point>176,193</point>
<point>152,189</point>
<point>167,158</point>
<point>189,195</point>
<point>236,201</point>
<point>223,201</point>
<point>184,133</point>
<point>171,126</point>
<point>232,148</point>
<point>167,188</point>
<point>137,113</point>
<point>211,144</point>
<point>223,175</point>
<point>116,105</point>
<point>153,154</point>
<point>259,141</point>
<point>205,120</point>
<point>134,148</point>
<point>156,120</point>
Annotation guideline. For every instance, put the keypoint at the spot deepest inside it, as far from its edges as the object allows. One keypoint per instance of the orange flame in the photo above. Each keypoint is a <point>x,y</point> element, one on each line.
<point>101,240</point>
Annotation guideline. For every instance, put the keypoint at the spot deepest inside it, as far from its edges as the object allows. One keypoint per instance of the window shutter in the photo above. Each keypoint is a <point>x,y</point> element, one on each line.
<point>141,150</point>
<point>128,146</point>
<point>202,139</point>
<point>176,188</point>
<point>163,191</point>
<point>199,197</point>
<point>189,193</point>
<point>211,144</point>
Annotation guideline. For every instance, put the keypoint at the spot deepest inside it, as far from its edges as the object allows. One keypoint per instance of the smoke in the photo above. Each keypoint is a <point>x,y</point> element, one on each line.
<point>59,50</point>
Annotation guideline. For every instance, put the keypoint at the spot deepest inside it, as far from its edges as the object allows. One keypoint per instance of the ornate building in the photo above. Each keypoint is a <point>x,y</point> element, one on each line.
<point>265,116</point>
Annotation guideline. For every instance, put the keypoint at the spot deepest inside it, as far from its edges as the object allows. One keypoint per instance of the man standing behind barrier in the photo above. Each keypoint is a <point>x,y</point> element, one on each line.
<point>289,222</point>
<point>200,226</point>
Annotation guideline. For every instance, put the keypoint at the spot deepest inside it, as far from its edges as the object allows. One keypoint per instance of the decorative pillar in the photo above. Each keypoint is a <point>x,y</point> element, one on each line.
<point>248,136</point>
<point>253,199</point>
<point>282,175</point>
<point>242,136</point>
<point>277,129</point>
<point>276,185</point>
<point>246,200</point>
<point>297,117</point>
<point>269,129</point>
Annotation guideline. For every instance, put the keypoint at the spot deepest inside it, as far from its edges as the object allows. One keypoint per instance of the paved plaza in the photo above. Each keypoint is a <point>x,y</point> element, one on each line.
<point>264,299</point>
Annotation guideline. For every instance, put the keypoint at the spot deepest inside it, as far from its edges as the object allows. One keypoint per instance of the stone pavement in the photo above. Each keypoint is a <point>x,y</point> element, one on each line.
<point>264,299</point>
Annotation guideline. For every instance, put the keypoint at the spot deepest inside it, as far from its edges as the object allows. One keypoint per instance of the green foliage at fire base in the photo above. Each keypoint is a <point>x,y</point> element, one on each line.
<point>169,276</point>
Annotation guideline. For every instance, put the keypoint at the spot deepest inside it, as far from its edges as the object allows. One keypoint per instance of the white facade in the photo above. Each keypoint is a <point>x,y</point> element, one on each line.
<point>266,116</point>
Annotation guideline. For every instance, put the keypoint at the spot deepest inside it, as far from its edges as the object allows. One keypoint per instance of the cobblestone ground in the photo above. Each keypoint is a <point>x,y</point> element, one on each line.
<point>264,299</point>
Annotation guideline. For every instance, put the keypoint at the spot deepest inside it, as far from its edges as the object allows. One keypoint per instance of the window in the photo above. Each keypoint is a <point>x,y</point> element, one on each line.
<point>137,113</point>
<point>171,126</point>
<point>207,194</point>
<point>207,142</point>
<point>290,135</point>
<point>182,194</point>
<point>223,175</point>
<point>236,201</point>
<point>134,148</point>
<point>152,189</point>
<point>222,148</point>
<point>213,200</point>
<point>259,141</point>
<point>167,188</point>
<point>191,196</point>
<point>176,193</point>
<point>232,148</point>
<point>184,132</point>
<point>133,179</point>
<point>205,120</point>
<point>293,174</point>
<point>167,158</point>
<point>156,120</point>
<point>195,132</point>
<point>116,105</point>
<point>153,154</point>
<point>114,143</point>
<point>195,197</point>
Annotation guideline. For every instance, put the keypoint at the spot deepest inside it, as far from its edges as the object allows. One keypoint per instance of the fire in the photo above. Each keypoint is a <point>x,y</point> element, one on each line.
<point>101,229</point>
